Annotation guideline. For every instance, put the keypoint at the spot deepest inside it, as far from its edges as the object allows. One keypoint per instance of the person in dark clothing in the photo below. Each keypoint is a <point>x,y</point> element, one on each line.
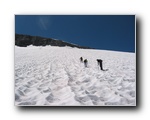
<point>81,59</point>
<point>85,62</point>
<point>100,63</point>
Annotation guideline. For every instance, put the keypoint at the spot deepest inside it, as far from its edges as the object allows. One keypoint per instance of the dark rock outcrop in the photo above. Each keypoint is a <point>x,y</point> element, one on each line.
<point>25,40</point>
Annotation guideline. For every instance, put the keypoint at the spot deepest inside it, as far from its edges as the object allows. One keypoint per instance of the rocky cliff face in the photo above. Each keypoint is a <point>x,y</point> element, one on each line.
<point>25,40</point>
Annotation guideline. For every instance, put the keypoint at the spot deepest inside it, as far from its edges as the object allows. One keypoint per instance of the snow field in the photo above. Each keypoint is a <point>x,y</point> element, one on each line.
<point>54,76</point>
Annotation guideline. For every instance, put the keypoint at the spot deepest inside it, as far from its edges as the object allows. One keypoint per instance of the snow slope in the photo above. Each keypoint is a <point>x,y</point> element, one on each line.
<point>55,76</point>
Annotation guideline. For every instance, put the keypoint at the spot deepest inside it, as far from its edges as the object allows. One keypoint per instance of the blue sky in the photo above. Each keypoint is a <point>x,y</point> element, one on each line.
<point>107,32</point>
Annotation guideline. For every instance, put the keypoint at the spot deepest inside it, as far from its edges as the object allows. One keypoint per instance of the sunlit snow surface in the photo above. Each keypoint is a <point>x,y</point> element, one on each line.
<point>54,76</point>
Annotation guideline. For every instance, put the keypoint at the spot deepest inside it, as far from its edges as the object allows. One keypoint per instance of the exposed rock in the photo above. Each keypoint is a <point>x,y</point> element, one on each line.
<point>25,40</point>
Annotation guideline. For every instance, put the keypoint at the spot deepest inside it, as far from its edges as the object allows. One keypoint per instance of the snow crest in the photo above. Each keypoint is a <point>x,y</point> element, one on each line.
<point>54,76</point>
